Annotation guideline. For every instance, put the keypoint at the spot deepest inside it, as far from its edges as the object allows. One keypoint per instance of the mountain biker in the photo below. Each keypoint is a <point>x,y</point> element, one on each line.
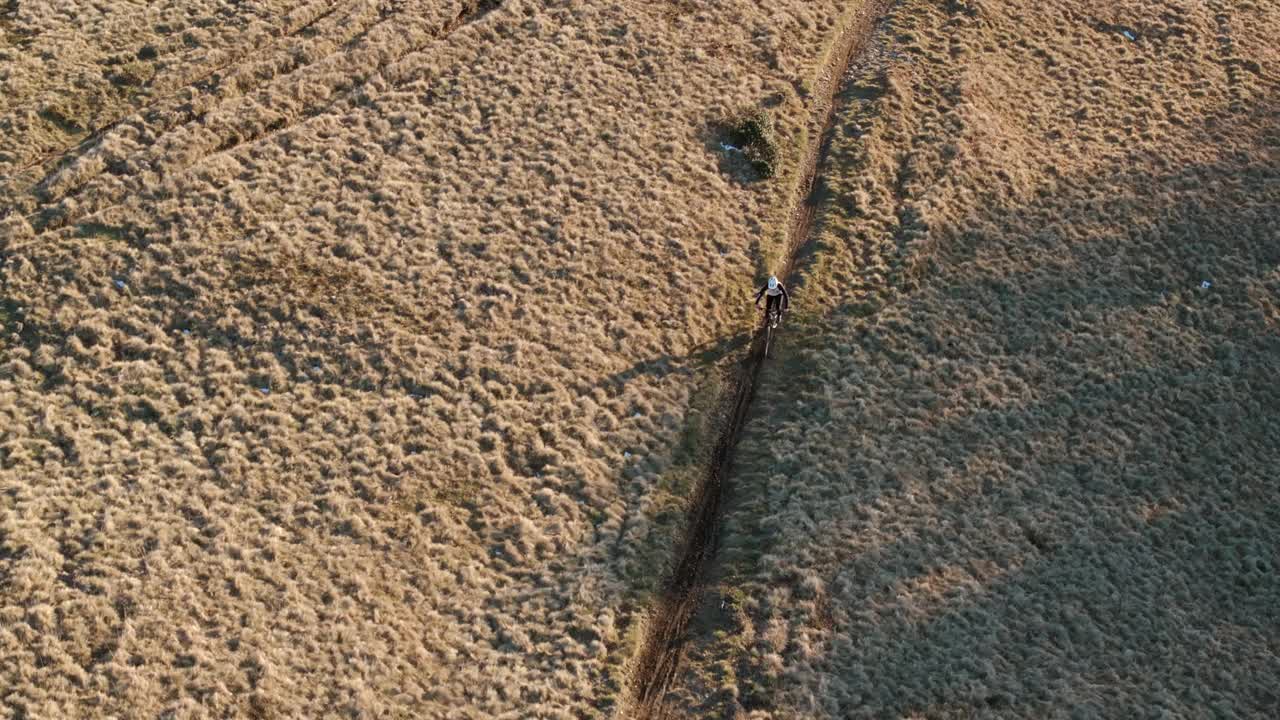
<point>775,295</point>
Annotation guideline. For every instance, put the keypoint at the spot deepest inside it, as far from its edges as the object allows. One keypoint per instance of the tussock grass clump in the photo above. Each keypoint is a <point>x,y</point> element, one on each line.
<point>135,73</point>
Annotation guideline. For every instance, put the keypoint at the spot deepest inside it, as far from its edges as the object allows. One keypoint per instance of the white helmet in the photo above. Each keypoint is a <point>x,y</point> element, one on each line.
<point>773,282</point>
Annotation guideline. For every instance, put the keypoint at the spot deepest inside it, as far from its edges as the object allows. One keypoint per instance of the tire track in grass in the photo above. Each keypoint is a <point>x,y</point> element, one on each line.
<point>660,654</point>
<point>318,11</point>
<point>471,12</point>
<point>55,216</point>
<point>234,80</point>
<point>301,20</point>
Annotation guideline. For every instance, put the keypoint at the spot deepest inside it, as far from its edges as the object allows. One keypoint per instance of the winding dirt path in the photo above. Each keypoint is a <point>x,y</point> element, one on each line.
<point>660,655</point>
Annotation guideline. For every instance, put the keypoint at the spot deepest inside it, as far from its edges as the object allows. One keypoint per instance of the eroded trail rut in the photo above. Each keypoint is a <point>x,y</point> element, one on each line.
<point>663,648</point>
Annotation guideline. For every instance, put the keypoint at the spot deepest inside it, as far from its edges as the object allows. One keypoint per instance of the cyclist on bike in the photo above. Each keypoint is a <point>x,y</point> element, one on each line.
<point>775,296</point>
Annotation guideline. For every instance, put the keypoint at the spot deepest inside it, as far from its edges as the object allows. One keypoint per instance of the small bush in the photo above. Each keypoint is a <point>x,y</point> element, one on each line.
<point>755,135</point>
<point>135,74</point>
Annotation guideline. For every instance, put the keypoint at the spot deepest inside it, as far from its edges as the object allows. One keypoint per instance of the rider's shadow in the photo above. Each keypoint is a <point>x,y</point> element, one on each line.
<point>701,357</point>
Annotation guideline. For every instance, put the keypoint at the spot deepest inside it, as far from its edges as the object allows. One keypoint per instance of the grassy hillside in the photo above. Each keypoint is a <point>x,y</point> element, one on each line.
<point>1018,455</point>
<point>356,356</point>
<point>69,69</point>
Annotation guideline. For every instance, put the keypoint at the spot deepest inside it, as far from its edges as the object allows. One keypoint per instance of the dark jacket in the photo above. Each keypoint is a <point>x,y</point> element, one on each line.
<point>786,299</point>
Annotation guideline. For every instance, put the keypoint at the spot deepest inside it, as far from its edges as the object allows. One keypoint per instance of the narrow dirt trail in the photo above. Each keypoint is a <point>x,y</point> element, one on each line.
<point>660,655</point>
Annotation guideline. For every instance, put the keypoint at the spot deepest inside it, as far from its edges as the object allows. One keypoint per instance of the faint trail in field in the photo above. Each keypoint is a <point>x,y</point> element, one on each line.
<point>660,655</point>
<point>323,11</point>
<point>233,133</point>
<point>186,105</point>
<point>319,11</point>
<point>470,13</point>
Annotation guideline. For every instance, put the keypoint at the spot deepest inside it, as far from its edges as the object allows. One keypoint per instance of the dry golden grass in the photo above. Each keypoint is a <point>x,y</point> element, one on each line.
<point>1014,460</point>
<point>339,376</point>
<point>67,69</point>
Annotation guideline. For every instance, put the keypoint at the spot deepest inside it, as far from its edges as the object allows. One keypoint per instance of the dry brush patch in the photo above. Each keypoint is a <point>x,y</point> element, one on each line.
<point>338,375</point>
<point>1019,462</point>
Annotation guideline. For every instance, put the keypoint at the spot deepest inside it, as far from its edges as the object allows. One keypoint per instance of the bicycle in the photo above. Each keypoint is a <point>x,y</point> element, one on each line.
<point>776,302</point>
<point>772,319</point>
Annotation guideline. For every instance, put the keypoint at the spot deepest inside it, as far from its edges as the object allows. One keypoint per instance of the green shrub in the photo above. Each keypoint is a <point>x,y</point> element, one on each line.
<point>755,135</point>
